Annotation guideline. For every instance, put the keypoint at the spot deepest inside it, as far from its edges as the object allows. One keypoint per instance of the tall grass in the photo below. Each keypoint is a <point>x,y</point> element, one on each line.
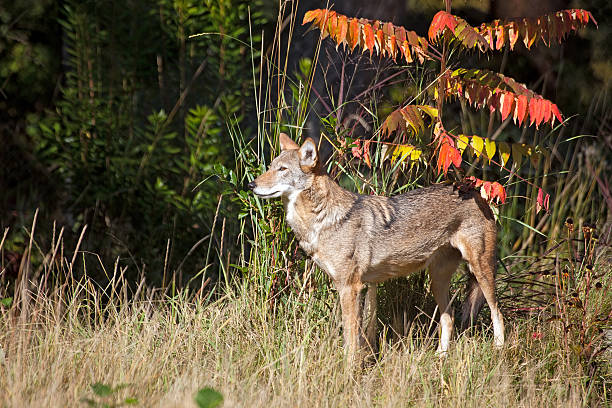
<point>57,342</point>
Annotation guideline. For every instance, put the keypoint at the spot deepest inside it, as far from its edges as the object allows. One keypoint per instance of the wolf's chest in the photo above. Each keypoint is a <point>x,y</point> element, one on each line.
<point>304,225</point>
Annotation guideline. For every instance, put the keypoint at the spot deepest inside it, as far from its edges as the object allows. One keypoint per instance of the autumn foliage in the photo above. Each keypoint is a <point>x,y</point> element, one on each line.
<point>480,89</point>
<point>373,36</point>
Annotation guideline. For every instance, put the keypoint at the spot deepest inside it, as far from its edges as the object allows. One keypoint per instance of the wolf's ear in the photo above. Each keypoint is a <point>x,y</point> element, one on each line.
<point>286,143</point>
<point>309,155</point>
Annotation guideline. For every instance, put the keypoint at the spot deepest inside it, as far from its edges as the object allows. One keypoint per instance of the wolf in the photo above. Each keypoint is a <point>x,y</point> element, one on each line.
<point>361,240</point>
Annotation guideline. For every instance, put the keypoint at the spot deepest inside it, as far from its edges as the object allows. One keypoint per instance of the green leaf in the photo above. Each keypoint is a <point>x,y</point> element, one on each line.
<point>208,398</point>
<point>6,302</point>
<point>101,390</point>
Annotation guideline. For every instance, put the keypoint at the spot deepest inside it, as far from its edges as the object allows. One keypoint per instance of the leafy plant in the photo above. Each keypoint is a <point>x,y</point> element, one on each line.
<point>208,398</point>
<point>580,282</point>
<point>450,35</point>
<point>106,396</point>
<point>131,142</point>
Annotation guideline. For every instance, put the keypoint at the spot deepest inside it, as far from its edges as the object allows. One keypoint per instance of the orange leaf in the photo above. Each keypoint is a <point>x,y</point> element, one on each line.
<point>406,50</point>
<point>380,41</point>
<point>545,28</point>
<point>366,153</point>
<point>332,21</point>
<point>500,33</point>
<point>393,46</point>
<point>353,33</point>
<point>369,37</point>
<point>342,29</point>
<point>311,15</point>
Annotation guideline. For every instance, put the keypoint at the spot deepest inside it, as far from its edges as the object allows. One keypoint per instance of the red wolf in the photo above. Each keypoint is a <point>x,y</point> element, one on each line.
<point>359,239</point>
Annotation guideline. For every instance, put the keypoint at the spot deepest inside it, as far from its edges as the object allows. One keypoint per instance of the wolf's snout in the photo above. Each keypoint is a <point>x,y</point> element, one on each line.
<point>251,185</point>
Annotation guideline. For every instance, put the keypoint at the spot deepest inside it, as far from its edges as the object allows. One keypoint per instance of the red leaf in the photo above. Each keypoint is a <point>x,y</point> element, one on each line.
<point>535,111</point>
<point>447,154</point>
<point>507,101</point>
<point>476,182</point>
<point>356,150</point>
<point>371,35</point>
<point>490,190</point>
<point>542,201</point>
<point>435,25</point>
<point>486,187</point>
<point>556,113</point>
<point>546,110</point>
<point>521,109</point>
<point>498,191</point>
<point>440,21</point>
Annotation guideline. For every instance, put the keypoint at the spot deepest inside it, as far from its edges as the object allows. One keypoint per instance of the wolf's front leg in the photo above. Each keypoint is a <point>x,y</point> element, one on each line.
<point>351,320</point>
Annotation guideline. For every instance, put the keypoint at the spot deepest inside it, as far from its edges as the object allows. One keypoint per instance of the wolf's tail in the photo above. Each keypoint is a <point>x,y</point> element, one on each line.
<point>473,303</point>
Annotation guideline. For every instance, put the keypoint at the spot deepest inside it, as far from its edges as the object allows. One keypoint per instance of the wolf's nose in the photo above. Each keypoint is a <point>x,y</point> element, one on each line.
<point>251,185</point>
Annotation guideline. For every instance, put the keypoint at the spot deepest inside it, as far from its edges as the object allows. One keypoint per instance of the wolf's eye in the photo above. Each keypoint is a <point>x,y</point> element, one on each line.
<point>282,168</point>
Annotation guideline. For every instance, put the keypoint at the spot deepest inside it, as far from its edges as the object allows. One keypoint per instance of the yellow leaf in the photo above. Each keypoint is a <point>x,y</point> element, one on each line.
<point>462,143</point>
<point>405,152</point>
<point>504,152</point>
<point>490,148</point>
<point>478,145</point>
<point>401,153</point>
<point>430,110</point>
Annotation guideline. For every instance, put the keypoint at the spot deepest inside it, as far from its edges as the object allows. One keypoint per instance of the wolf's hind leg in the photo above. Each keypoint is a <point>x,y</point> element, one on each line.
<point>441,269</point>
<point>480,255</point>
<point>369,317</point>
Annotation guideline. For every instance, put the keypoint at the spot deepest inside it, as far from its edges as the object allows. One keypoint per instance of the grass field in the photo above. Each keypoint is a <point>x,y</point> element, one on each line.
<point>160,349</point>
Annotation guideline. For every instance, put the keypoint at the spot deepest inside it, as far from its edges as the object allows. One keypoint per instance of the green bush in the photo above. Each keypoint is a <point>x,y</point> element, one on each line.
<point>142,118</point>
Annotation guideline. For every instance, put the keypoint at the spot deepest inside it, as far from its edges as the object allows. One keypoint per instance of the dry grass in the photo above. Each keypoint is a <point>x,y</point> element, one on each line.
<point>166,350</point>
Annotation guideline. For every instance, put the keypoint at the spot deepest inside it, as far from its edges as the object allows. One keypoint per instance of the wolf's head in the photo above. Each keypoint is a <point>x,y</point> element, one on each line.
<point>292,171</point>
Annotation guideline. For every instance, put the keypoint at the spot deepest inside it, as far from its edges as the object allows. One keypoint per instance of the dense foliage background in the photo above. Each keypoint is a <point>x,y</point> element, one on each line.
<point>112,117</point>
